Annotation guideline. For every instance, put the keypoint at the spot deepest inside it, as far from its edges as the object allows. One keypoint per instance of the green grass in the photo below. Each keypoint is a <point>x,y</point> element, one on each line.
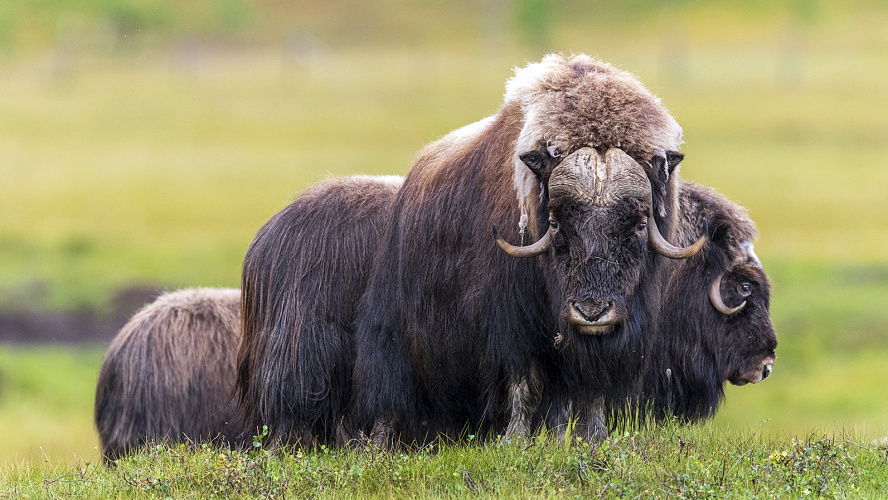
<point>692,462</point>
<point>46,400</point>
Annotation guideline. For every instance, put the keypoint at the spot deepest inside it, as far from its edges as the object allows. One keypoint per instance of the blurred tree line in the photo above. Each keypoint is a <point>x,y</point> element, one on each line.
<point>40,24</point>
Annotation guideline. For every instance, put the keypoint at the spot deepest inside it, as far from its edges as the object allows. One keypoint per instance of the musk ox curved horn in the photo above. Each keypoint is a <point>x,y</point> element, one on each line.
<point>628,179</point>
<point>531,250</point>
<point>715,297</point>
<point>584,177</point>
<point>579,176</point>
<point>667,249</point>
<point>625,178</point>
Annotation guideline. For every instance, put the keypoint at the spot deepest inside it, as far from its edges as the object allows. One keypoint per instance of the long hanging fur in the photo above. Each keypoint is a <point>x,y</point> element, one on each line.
<point>697,348</point>
<point>302,277</point>
<point>169,373</point>
<point>451,329</point>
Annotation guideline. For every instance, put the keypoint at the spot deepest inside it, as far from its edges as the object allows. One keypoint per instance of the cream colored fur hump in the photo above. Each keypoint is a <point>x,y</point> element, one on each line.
<point>569,103</point>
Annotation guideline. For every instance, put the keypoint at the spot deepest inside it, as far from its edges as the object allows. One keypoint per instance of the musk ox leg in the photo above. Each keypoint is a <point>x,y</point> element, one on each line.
<point>591,419</point>
<point>587,419</point>
<point>383,434</point>
<point>524,397</point>
<point>385,402</point>
<point>558,418</point>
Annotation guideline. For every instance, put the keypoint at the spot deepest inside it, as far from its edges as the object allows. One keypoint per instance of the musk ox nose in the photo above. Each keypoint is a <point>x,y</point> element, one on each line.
<point>591,310</point>
<point>591,317</point>
<point>755,375</point>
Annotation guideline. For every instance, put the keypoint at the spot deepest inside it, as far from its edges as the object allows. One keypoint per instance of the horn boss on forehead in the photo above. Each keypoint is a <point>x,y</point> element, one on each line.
<point>587,178</point>
<point>583,176</point>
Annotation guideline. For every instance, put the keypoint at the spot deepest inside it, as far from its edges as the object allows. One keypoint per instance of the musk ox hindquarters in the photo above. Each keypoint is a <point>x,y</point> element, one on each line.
<point>452,332</point>
<point>302,278</point>
<point>715,323</point>
<point>169,373</point>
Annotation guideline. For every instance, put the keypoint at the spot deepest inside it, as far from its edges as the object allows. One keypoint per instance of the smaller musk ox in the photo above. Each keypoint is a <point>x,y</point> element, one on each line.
<point>715,323</point>
<point>169,373</point>
<point>302,278</point>
<point>453,333</point>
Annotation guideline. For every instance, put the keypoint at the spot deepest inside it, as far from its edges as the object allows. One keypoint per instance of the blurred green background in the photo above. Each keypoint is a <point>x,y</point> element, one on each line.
<point>144,142</point>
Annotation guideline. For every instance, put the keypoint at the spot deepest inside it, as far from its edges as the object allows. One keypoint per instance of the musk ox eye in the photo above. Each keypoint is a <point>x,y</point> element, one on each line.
<point>744,288</point>
<point>641,227</point>
<point>553,224</point>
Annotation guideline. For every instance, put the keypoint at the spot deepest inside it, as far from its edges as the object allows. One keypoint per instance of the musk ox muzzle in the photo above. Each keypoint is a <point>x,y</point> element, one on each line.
<point>760,372</point>
<point>592,317</point>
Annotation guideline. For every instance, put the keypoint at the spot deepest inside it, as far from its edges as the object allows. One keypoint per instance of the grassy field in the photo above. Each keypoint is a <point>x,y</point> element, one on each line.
<point>156,163</point>
<point>671,461</point>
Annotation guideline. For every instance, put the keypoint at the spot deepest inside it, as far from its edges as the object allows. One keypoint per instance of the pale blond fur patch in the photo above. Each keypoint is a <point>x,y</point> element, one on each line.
<point>569,103</point>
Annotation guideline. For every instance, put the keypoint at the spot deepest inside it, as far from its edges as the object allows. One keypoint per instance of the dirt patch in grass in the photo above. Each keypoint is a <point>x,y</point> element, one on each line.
<point>71,327</point>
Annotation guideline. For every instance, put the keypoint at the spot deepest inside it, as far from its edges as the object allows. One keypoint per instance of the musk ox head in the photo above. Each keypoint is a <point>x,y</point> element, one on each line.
<point>747,336</point>
<point>600,225</point>
<point>735,292</point>
<point>714,325</point>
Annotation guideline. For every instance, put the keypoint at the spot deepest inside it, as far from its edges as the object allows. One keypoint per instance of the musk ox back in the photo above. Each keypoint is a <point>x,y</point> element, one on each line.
<point>452,332</point>
<point>169,373</point>
<point>302,278</point>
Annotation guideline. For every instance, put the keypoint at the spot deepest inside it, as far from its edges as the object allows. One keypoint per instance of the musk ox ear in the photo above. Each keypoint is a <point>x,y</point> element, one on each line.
<point>673,159</point>
<point>659,172</point>
<point>664,165</point>
<point>540,162</point>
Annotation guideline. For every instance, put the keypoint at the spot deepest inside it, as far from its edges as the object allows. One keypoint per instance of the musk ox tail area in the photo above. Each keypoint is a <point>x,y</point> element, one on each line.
<point>169,373</point>
<point>302,278</point>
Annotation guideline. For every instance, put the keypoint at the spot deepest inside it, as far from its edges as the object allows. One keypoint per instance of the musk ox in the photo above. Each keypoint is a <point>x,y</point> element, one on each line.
<point>303,275</point>
<point>715,323</point>
<point>169,373</point>
<point>452,332</point>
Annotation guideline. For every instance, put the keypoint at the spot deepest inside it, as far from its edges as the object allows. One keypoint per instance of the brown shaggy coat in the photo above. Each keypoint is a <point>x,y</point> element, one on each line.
<point>169,373</point>
<point>451,332</point>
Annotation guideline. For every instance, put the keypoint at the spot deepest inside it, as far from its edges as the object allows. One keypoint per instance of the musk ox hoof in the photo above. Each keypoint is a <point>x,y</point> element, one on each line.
<point>382,436</point>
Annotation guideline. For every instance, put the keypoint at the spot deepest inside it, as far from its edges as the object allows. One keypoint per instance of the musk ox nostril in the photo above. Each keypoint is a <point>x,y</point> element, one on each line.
<point>591,310</point>
<point>766,371</point>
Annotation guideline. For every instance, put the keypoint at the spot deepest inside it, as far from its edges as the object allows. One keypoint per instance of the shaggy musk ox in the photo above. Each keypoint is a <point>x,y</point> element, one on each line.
<point>169,373</point>
<point>302,278</point>
<point>454,333</point>
<point>715,323</point>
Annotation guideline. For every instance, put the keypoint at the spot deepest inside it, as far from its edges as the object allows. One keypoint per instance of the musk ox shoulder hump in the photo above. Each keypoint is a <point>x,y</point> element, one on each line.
<point>569,103</point>
<point>699,202</point>
<point>585,102</point>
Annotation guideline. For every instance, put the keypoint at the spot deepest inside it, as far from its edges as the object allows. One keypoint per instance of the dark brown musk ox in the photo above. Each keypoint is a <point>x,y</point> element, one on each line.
<point>303,275</point>
<point>452,333</point>
<point>168,375</point>
<point>715,324</point>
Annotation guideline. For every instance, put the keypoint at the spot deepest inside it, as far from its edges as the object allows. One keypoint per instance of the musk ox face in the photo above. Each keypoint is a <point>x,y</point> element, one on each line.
<point>742,298</point>
<point>600,224</point>
<point>597,257</point>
